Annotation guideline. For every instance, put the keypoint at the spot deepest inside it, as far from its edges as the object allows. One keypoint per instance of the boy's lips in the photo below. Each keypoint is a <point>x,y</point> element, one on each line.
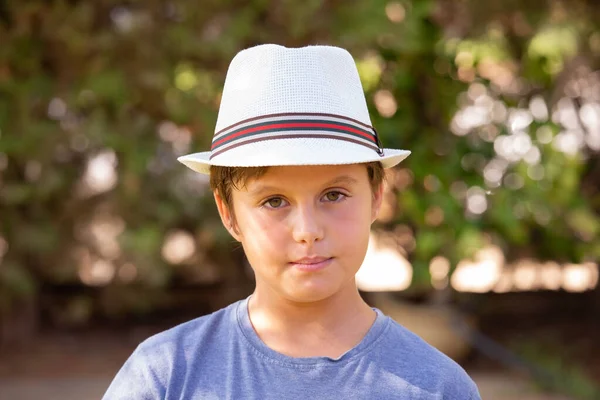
<point>311,263</point>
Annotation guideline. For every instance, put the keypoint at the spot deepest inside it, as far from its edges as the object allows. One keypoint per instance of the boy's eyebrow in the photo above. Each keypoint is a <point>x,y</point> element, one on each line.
<point>344,179</point>
<point>263,189</point>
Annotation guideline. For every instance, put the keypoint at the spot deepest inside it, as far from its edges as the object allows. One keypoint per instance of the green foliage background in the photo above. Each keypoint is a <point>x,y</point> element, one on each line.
<point>80,79</point>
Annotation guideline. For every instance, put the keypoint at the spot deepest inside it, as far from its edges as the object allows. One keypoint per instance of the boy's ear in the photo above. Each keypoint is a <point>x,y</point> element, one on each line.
<point>376,202</point>
<point>226,216</point>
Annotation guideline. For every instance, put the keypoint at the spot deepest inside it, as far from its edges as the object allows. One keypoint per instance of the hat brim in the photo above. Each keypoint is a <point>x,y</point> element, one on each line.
<point>201,162</point>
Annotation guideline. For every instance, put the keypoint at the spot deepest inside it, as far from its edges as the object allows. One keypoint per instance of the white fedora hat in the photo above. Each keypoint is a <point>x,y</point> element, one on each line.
<point>293,106</point>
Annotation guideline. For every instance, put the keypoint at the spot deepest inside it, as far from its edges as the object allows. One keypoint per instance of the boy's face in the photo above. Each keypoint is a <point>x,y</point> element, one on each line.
<point>304,229</point>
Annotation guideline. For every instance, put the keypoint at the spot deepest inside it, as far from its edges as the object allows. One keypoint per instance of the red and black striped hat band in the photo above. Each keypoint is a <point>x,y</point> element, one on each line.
<point>292,126</point>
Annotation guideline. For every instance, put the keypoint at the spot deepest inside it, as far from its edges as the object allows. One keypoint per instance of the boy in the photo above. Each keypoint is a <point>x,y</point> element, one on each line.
<point>296,169</point>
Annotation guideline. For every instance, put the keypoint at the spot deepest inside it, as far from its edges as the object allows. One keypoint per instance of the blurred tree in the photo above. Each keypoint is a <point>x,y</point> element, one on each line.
<point>498,100</point>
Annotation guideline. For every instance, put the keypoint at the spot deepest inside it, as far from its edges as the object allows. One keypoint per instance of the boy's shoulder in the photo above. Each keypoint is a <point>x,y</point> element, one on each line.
<point>404,352</point>
<point>217,324</point>
<point>159,363</point>
<point>413,344</point>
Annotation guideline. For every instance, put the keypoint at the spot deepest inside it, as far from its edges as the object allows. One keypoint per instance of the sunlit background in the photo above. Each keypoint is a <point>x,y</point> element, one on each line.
<point>492,224</point>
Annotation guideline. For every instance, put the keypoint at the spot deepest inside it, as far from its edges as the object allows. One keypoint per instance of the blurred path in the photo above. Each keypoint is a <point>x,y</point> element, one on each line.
<point>54,388</point>
<point>502,386</point>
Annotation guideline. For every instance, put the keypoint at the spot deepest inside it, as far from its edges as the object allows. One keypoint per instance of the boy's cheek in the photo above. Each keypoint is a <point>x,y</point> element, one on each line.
<point>263,237</point>
<point>265,254</point>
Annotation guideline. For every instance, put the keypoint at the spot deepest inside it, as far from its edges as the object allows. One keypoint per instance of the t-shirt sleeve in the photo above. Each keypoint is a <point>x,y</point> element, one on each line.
<point>465,387</point>
<point>475,394</point>
<point>136,380</point>
<point>459,385</point>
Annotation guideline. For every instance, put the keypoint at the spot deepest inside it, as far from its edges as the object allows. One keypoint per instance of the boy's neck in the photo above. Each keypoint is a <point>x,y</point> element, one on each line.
<point>328,328</point>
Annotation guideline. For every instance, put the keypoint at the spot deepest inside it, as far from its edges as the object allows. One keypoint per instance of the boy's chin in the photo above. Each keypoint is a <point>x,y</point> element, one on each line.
<point>312,295</point>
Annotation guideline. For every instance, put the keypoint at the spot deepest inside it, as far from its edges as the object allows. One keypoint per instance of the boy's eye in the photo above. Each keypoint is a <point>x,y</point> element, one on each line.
<point>275,202</point>
<point>334,196</point>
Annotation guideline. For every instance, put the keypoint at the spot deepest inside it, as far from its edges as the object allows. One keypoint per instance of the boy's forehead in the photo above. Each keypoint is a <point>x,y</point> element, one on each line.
<point>318,174</point>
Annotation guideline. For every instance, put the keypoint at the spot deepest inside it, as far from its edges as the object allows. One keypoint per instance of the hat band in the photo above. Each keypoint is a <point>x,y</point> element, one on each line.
<point>295,125</point>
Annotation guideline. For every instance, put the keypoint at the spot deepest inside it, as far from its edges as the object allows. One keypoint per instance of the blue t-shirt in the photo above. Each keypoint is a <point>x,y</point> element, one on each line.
<point>220,356</point>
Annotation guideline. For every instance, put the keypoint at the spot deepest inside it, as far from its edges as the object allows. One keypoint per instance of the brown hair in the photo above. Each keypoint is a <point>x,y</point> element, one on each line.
<point>222,179</point>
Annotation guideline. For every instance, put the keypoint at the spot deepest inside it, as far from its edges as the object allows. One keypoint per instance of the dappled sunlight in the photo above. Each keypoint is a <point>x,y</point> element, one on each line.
<point>469,118</point>
<point>33,171</point>
<point>501,74</point>
<point>488,272</point>
<point>579,277</point>
<point>518,119</point>
<point>127,20</point>
<point>516,147</point>
<point>127,273</point>
<point>395,11</point>
<point>178,247</point>
<point>434,216</point>
<point>370,68</point>
<point>399,178</point>
<point>439,267</point>
<point>93,271</point>
<point>57,108</point>
<point>383,269</point>
<point>385,103</point>
<point>100,174</point>
<point>105,233</point>
<point>530,275</point>
<point>190,186</point>
<point>538,108</point>
<point>481,274</point>
<point>98,255</point>
<point>590,117</point>
<point>525,136</point>
<point>476,200</point>
<point>403,237</point>
<point>550,275</point>
<point>387,211</point>
<point>186,78</point>
<point>102,232</point>
<point>179,137</point>
<point>494,172</point>
<point>554,44</point>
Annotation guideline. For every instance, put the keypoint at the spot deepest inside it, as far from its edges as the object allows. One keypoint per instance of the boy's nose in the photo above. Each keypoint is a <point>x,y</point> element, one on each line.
<point>306,227</point>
